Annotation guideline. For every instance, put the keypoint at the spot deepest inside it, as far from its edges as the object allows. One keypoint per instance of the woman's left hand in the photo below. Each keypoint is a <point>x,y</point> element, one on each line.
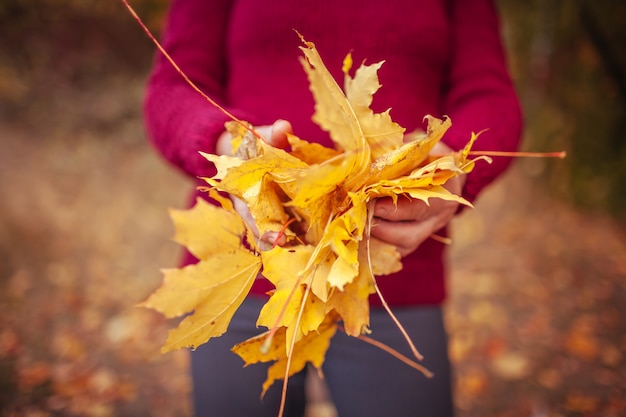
<point>410,222</point>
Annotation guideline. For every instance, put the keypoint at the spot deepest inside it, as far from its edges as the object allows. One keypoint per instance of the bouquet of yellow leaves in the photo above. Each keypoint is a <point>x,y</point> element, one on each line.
<point>320,199</point>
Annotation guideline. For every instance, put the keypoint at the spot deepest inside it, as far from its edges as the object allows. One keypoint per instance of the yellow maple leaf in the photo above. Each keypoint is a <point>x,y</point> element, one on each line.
<point>352,301</point>
<point>384,258</point>
<point>212,297</point>
<point>309,349</point>
<point>333,111</point>
<point>406,158</point>
<point>194,229</point>
<point>381,133</point>
<point>216,300</point>
<point>310,152</point>
<point>284,268</point>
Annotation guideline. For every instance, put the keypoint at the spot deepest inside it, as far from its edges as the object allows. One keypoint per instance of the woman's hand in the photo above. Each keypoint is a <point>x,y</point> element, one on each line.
<point>410,222</point>
<point>275,135</point>
<point>405,225</point>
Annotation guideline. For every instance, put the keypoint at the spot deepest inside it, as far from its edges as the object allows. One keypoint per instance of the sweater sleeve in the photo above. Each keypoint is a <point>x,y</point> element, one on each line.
<point>480,94</point>
<point>179,121</point>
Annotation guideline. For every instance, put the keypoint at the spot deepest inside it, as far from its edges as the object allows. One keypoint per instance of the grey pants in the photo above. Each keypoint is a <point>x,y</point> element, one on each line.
<point>363,380</point>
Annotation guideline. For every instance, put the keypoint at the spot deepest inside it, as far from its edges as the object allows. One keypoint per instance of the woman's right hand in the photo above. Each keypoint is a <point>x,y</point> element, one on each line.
<point>275,135</point>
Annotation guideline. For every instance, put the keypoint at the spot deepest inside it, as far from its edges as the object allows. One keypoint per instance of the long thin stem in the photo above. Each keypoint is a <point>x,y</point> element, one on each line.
<point>561,154</point>
<point>380,295</point>
<point>292,343</point>
<point>185,77</point>
<point>282,230</point>
<point>394,353</point>
<point>398,324</point>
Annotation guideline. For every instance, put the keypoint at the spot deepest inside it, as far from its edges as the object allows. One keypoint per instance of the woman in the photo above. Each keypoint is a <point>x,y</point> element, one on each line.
<point>441,58</point>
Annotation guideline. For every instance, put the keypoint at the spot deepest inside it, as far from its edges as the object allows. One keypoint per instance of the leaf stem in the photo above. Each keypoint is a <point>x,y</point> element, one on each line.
<point>185,77</point>
<point>281,232</point>
<point>441,239</point>
<point>394,353</point>
<point>292,344</point>
<point>561,154</point>
<point>397,322</point>
<point>380,295</point>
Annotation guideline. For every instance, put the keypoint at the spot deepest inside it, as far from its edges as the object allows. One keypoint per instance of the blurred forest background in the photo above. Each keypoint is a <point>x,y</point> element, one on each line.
<point>538,276</point>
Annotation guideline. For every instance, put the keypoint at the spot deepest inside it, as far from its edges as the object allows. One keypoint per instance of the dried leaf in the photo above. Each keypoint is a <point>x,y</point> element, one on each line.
<point>212,296</point>
<point>284,267</point>
<point>382,134</point>
<point>309,349</point>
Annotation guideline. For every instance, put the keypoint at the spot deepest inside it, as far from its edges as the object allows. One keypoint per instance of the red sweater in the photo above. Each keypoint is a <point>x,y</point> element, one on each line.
<point>442,57</point>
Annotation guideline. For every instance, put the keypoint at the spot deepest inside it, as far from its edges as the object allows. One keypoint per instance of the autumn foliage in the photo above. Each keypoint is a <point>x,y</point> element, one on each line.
<point>320,200</point>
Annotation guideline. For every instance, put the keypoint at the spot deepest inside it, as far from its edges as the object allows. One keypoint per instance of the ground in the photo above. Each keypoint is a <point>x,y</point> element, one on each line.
<point>537,287</point>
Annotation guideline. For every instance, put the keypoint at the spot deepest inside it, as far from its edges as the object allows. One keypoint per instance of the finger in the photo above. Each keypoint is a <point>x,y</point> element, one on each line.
<point>406,236</point>
<point>279,131</point>
<point>242,208</point>
<point>269,239</point>
<point>276,133</point>
<point>404,210</point>
<point>224,144</point>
